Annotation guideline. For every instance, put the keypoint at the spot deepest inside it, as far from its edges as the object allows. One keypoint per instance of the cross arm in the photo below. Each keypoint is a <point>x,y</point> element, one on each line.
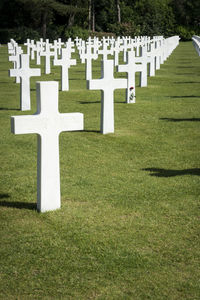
<point>70,122</point>
<point>120,83</point>
<point>14,72</point>
<point>96,84</point>
<point>35,72</point>
<point>122,68</point>
<point>73,62</point>
<point>58,62</point>
<point>25,124</point>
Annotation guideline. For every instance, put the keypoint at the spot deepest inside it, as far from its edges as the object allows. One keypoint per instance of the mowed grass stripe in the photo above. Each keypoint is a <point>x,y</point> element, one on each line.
<point>129,223</point>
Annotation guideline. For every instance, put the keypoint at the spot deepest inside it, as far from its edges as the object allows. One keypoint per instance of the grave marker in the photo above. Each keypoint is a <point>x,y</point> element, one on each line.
<point>130,69</point>
<point>16,60</point>
<point>25,72</point>
<point>47,123</point>
<point>47,54</point>
<point>107,84</point>
<point>88,56</point>
<point>65,62</point>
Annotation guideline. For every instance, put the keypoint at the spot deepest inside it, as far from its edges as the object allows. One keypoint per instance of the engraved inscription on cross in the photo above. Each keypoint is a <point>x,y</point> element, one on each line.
<point>107,84</point>
<point>47,123</point>
<point>65,62</point>
<point>25,72</point>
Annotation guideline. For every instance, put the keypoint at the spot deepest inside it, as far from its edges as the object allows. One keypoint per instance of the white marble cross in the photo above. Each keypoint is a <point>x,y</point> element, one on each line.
<point>88,55</point>
<point>130,69</point>
<point>29,44</point>
<point>25,72</point>
<point>107,84</point>
<point>33,50</point>
<point>16,60</point>
<point>39,48</point>
<point>65,62</point>
<point>47,123</point>
<point>11,48</point>
<point>47,54</point>
<point>125,49</point>
<point>105,51</point>
<point>59,43</point>
<point>141,66</point>
<point>116,50</point>
<point>151,59</point>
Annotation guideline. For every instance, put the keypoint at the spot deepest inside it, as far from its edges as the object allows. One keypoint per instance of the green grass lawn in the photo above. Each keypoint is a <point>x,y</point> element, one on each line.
<point>129,223</point>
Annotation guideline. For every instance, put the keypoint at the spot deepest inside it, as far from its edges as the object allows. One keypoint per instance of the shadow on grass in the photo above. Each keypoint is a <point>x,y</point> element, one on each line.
<point>184,74</point>
<point>171,173</point>
<point>180,120</point>
<point>20,205</point>
<point>185,67</point>
<point>179,97</point>
<point>5,108</point>
<point>4,196</point>
<point>183,82</point>
<point>77,79</point>
<point>95,131</point>
<point>91,102</point>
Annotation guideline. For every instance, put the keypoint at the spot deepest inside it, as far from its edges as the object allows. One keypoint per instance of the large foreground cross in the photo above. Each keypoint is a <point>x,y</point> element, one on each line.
<point>107,84</point>
<point>48,123</point>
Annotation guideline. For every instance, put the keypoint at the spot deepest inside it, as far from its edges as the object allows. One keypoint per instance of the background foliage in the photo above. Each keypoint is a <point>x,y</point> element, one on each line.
<point>63,18</point>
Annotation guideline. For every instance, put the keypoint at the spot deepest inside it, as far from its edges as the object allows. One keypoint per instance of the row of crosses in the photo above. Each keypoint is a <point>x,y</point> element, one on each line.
<point>48,123</point>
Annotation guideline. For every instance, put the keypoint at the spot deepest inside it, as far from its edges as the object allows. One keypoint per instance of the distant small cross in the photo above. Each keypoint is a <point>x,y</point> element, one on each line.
<point>105,51</point>
<point>88,55</point>
<point>141,66</point>
<point>107,84</point>
<point>47,54</point>
<point>65,62</point>
<point>116,49</point>
<point>16,60</point>
<point>29,44</point>
<point>25,72</point>
<point>59,43</point>
<point>47,123</point>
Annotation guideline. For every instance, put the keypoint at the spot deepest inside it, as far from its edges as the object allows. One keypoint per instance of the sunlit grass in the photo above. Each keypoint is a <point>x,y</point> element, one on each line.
<point>129,223</point>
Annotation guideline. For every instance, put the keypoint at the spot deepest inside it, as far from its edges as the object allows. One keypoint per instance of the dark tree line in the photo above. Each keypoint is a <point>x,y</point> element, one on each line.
<point>22,19</point>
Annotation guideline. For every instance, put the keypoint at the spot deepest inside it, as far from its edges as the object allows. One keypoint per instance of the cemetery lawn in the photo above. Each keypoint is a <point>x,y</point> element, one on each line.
<point>129,223</point>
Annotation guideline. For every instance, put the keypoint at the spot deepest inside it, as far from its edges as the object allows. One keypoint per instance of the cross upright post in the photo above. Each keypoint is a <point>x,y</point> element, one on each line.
<point>141,66</point>
<point>116,50</point>
<point>59,43</point>
<point>105,51</point>
<point>47,123</point>
<point>16,60</point>
<point>107,84</point>
<point>25,72</point>
<point>28,45</point>
<point>88,56</point>
<point>65,62</point>
<point>130,69</point>
<point>47,54</point>
<point>125,49</point>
